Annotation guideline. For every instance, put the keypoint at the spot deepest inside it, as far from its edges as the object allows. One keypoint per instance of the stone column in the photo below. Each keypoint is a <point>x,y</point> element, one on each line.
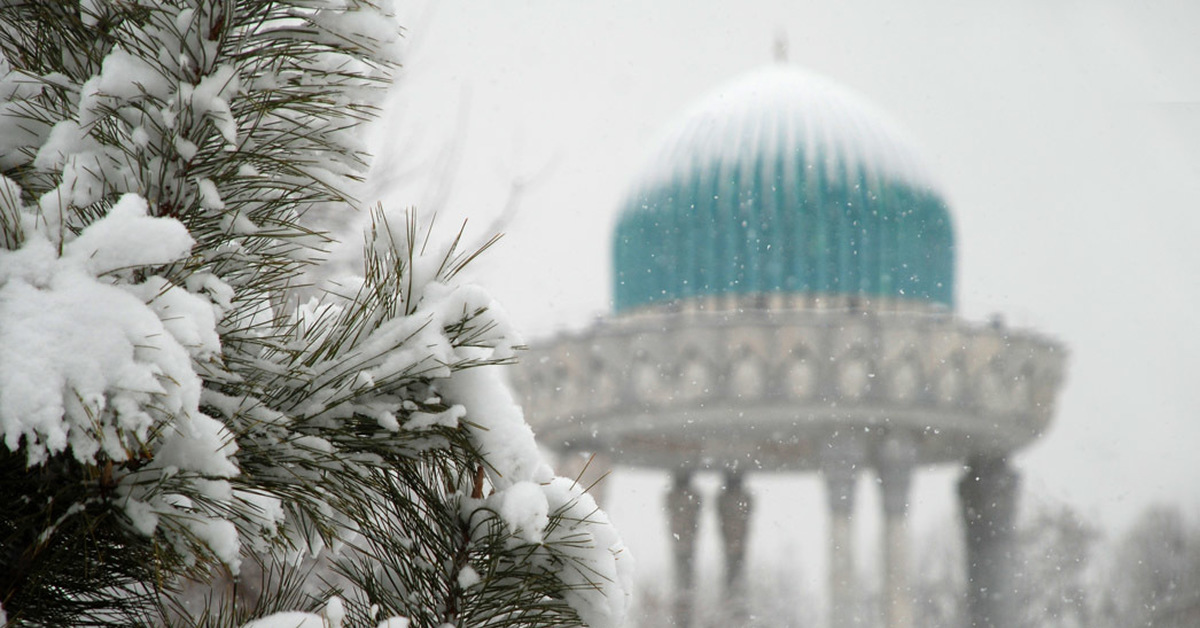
<point>733,507</point>
<point>988,495</point>
<point>897,456</point>
<point>683,509</point>
<point>840,462</point>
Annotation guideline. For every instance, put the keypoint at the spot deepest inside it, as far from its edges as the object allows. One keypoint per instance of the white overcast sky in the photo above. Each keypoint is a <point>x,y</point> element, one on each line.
<point>1065,135</point>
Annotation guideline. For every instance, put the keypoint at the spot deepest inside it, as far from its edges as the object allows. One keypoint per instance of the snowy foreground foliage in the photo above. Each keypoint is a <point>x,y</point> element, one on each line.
<point>180,407</point>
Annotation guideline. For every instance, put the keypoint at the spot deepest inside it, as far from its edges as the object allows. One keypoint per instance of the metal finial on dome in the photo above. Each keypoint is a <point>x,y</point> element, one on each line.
<point>780,48</point>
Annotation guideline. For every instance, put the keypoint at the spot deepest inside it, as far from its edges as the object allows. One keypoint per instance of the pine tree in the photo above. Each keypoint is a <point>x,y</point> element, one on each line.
<point>180,401</point>
<point>1055,549</point>
<point>1153,575</point>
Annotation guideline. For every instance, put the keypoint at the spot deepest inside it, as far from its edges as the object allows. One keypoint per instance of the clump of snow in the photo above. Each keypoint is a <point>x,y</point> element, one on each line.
<point>498,427</point>
<point>221,537</point>
<point>86,171</point>
<point>376,24</point>
<point>210,198</point>
<point>103,370</point>
<point>218,291</point>
<point>66,139</point>
<point>468,577</point>
<point>524,507</point>
<point>199,443</point>
<point>185,148</point>
<point>123,76</point>
<point>265,510</point>
<point>142,516</point>
<point>10,196</point>
<point>334,612</point>
<point>128,238</point>
<point>83,362</point>
<point>191,319</point>
<point>598,569</point>
<point>332,616</point>
<point>210,98</point>
<point>445,418</point>
<point>602,591</point>
<point>289,619</point>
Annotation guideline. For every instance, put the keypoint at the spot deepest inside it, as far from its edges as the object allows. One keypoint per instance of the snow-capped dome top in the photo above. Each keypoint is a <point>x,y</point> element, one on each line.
<point>783,181</point>
<point>781,109</point>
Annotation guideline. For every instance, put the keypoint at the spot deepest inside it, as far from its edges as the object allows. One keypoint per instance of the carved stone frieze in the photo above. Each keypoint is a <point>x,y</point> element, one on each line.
<point>705,385</point>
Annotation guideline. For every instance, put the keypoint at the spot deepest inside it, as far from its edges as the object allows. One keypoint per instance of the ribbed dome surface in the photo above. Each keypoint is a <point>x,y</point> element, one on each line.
<point>783,182</point>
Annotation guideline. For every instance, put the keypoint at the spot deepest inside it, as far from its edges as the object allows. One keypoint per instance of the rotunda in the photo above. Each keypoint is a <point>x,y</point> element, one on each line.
<point>783,293</point>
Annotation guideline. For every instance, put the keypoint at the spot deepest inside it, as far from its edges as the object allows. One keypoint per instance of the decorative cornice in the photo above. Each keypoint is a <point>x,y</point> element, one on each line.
<point>659,384</point>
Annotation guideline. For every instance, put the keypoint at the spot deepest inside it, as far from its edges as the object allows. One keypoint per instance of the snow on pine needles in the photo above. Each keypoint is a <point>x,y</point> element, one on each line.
<point>180,398</point>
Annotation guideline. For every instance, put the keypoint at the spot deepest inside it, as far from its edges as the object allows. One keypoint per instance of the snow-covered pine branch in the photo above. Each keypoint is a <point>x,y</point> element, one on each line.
<point>170,409</point>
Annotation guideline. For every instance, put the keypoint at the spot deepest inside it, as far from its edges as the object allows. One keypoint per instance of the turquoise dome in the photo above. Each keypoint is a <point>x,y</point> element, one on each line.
<point>783,182</point>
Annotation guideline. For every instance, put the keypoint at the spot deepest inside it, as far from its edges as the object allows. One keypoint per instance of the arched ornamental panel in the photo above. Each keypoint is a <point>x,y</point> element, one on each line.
<point>725,378</point>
